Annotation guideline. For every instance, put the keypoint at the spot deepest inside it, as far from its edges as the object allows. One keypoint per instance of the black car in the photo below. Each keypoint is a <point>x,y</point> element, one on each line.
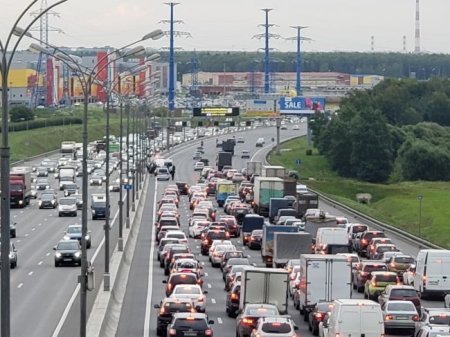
<point>73,232</point>
<point>317,315</point>
<point>183,187</point>
<point>255,239</point>
<point>47,200</point>
<point>232,301</point>
<point>70,189</point>
<point>67,251</point>
<point>190,324</point>
<point>167,308</point>
<point>210,236</point>
<point>12,229</point>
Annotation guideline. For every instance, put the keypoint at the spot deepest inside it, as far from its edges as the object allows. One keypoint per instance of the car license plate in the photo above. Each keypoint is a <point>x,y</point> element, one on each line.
<point>190,333</point>
<point>402,318</point>
<point>67,260</point>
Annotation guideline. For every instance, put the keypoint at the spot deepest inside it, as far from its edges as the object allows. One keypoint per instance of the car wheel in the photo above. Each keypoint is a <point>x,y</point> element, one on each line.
<point>359,289</point>
<point>56,264</point>
<point>366,296</point>
<point>59,214</point>
<point>88,245</point>
<point>13,235</point>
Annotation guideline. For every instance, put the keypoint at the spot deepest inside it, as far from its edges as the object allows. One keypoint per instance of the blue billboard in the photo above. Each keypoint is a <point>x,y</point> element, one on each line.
<point>301,105</point>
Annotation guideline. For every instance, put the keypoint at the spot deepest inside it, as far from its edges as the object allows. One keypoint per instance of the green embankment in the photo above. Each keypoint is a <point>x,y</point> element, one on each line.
<point>396,204</point>
<point>25,144</point>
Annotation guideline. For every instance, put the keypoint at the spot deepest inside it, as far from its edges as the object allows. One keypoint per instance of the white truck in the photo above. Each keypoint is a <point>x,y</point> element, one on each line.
<point>432,275</point>
<point>254,168</point>
<point>265,286</point>
<point>273,171</point>
<point>324,278</point>
<point>332,240</point>
<point>67,174</point>
<point>289,246</point>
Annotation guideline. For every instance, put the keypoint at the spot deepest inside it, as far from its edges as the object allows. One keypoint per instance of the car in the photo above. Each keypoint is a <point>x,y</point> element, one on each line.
<point>183,187</point>
<point>364,240</point>
<point>196,227</point>
<point>237,177</point>
<point>433,317</point>
<point>380,249</point>
<point>231,255</point>
<point>240,140</point>
<point>234,262</point>
<point>433,331</point>
<point>41,171</point>
<point>188,265</point>
<point>275,326</point>
<point>12,255</point>
<point>210,236</point>
<point>67,206</point>
<point>247,320</point>
<point>179,278</point>
<point>115,186</point>
<point>317,315</point>
<point>217,254</point>
<point>42,184</point>
<point>260,142</point>
<point>399,264</point>
<point>178,249</point>
<point>47,201</point>
<point>198,166</point>
<point>193,292</point>
<point>162,243</point>
<point>67,251</point>
<point>400,292</point>
<point>190,324</point>
<point>162,174</point>
<point>96,179</point>
<point>408,275</point>
<point>362,272</point>
<point>399,315</point>
<point>377,282</point>
<point>167,308</point>
<point>245,154</point>
<point>283,127</point>
<point>73,232</point>
<point>295,127</point>
<point>232,300</point>
<point>255,239</point>
<point>69,189</point>
<point>197,156</point>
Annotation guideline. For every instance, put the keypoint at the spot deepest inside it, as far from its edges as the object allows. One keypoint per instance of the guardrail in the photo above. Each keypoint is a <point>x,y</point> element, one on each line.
<point>422,243</point>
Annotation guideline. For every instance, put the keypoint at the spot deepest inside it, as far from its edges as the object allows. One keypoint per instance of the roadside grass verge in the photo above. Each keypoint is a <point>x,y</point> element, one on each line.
<point>396,203</point>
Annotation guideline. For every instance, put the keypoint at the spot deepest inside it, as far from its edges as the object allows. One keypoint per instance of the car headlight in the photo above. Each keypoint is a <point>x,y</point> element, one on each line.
<point>66,237</point>
<point>57,254</point>
<point>87,237</point>
<point>91,181</point>
<point>47,187</point>
<point>40,202</point>
<point>93,211</point>
<point>77,254</point>
<point>53,202</point>
<point>110,188</point>
<point>11,255</point>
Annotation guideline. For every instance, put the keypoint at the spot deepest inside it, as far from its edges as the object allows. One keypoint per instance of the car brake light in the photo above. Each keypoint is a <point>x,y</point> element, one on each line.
<point>234,296</point>
<point>208,332</point>
<point>318,315</point>
<point>415,318</point>
<point>388,318</point>
<point>200,299</point>
<point>364,241</point>
<point>292,277</point>
<point>172,332</point>
<point>205,241</point>
<point>247,321</point>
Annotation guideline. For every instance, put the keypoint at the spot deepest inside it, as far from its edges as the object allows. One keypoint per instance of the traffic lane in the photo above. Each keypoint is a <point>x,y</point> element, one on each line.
<point>132,317</point>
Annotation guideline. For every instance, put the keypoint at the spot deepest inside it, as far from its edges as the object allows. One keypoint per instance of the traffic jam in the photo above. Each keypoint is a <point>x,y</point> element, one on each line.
<point>340,278</point>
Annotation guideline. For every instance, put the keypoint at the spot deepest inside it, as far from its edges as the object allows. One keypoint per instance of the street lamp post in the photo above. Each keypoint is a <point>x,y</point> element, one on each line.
<point>420,198</point>
<point>5,65</point>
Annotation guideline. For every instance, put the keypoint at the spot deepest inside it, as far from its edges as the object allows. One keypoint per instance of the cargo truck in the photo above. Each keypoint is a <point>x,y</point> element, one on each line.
<point>253,168</point>
<point>290,186</point>
<point>249,224</point>
<point>278,203</point>
<point>305,201</point>
<point>273,171</point>
<point>224,158</point>
<point>67,174</point>
<point>263,190</point>
<point>228,146</point>
<point>224,188</point>
<point>20,186</point>
<point>288,246</point>
<point>319,220</point>
<point>264,286</point>
<point>332,241</point>
<point>268,240</point>
<point>324,278</point>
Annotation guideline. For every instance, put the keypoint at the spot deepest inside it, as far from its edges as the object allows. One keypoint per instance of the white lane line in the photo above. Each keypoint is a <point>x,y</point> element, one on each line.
<point>17,241</point>
<point>30,273</point>
<point>40,262</point>
<point>209,285</point>
<point>213,300</point>
<point>77,289</point>
<point>150,271</point>
<point>33,229</point>
<point>15,216</point>
<point>219,320</point>
<point>48,254</point>
<point>206,274</point>
<point>39,224</point>
<point>27,235</point>
<point>20,285</point>
<point>203,263</point>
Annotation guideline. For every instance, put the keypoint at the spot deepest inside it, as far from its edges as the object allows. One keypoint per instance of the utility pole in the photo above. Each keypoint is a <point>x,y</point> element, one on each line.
<point>298,39</point>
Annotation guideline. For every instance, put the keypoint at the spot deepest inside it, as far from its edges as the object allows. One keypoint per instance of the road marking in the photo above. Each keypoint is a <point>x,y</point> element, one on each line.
<point>213,300</point>
<point>30,273</point>
<point>27,235</point>
<point>39,224</point>
<point>219,320</point>
<point>33,229</point>
<point>150,271</point>
<point>203,263</point>
<point>209,285</point>
<point>15,216</point>
<point>20,285</point>
<point>48,254</point>
<point>17,241</point>
<point>40,262</point>
<point>206,274</point>
<point>198,247</point>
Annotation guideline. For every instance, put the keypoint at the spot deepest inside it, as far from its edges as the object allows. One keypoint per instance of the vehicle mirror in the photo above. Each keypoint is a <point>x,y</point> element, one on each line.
<point>295,327</point>
<point>14,223</point>
<point>205,292</point>
<point>164,281</point>
<point>156,306</point>
<point>54,248</point>
<point>211,321</point>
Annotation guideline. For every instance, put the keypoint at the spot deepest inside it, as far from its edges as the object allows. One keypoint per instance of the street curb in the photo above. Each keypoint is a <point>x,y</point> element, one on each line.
<point>105,314</point>
<point>421,243</point>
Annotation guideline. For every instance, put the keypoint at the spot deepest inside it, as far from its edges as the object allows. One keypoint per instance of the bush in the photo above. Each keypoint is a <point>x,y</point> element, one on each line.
<point>42,123</point>
<point>20,113</point>
<point>309,152</point>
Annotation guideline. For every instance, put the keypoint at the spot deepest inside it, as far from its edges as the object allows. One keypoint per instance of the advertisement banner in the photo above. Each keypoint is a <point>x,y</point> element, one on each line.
<point>301,105</point>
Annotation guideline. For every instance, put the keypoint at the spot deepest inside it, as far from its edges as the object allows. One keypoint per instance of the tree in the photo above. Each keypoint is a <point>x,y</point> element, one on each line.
<point>371,151</point>
<point>21,113</point>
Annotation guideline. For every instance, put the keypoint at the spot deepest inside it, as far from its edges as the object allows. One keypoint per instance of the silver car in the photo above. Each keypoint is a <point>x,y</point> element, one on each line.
<point>399,315</point>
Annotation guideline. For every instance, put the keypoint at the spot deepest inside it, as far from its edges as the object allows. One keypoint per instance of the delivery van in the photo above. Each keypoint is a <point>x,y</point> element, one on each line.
<point>432,272</point>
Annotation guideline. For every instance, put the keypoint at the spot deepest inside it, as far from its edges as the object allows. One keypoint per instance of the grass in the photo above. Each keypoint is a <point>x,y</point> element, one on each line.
<point>25,144</point>
<point>394,203</point>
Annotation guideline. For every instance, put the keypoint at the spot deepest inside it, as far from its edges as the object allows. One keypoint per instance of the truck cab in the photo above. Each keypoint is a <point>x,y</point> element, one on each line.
<point>98,206</point>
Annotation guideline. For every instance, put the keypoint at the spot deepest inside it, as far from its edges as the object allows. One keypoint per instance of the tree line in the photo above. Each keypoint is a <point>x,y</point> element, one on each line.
<point>397,131</point>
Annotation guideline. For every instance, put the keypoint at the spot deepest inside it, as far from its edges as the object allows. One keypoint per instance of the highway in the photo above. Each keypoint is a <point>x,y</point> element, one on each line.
<point>44,299</point>
<point>145,287</point>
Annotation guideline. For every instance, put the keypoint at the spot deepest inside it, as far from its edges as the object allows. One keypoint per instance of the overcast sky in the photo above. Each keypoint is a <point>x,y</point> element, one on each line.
<point>334,25</point>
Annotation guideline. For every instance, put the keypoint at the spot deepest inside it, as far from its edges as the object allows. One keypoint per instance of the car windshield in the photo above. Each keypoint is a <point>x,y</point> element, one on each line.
<point>238,262</point>
<point>438,334</point>
<point>70,201</point>
<point>190,323</point>
<point>46,197</point>
<point>217,235</point>
<point>324,307</point>
<point>404,259</point>
<point>15,188</point>
<point>261,312</point>
<point>403,293</point>
<point>68,246</point>
<point>187,290</point>
<point>401,306</point>
<point>99,204</point>
<point>441,319</point>
<point>276,327</point>
<point>176,235</point>
<point>385,278</point>
<point>177,307</point>
<point>370,268</point>
<point>74,230</point>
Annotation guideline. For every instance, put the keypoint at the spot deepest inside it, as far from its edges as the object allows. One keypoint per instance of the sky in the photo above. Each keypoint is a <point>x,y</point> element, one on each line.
<point>230,25</point>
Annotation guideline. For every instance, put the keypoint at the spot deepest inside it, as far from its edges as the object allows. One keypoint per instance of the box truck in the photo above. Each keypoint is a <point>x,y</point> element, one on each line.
<point>305,201</point>
<point>20,186</point>
<point>323,278</point>
<point>224,188</point>
<point>288,246</point>
<point>268,240</point>
<point>224,158</point>
<point>273,171</point>
<point>332,240</point>
<point>263,190</point>
<point>265,286</point>
<point>253,168</point>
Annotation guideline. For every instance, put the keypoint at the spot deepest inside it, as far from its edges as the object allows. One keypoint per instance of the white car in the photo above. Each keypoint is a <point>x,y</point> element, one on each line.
<point>198,166</point>
<point>193,292</point>
<point>180,235</point>
<point>162,173</point>
<point>275,326</point>
<point>408,275</point>
<point>196,227</point>
<point>67,206</point>
<point>217,254</point>
<point>217,243</point>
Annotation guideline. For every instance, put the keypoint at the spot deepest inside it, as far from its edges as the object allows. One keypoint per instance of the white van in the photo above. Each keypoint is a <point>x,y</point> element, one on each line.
<point>332,240</point>
<point>432,272</point>
<point>353,317</point>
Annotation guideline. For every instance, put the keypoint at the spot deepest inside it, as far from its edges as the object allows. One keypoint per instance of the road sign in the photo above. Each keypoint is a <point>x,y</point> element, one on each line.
<point>298,162</point>
<point>128,187</point>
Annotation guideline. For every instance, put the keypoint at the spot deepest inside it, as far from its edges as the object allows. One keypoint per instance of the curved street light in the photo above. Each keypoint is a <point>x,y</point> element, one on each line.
<point>5,65</point>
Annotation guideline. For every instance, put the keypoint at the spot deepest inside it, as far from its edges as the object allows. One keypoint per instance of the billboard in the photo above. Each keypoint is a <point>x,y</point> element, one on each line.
<point>301,105</point>
<point>208,111</point>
